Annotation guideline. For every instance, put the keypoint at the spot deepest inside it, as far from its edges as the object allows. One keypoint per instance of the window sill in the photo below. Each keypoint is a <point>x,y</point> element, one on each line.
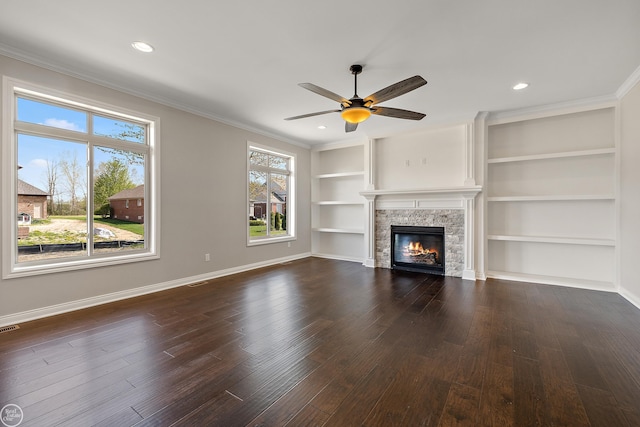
<point>77,264</point>
<point>271,240</point>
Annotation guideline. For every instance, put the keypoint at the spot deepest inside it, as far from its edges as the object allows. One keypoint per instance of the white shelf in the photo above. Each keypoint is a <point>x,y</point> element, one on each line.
<point>338,230</point>
<point>583,153</point>
<point>339,174</point>
<point>337,202</point>
<point>568,197</point>
<point>559,240</point>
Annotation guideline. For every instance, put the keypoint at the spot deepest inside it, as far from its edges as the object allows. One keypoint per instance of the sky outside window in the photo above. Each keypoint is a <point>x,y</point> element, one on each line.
<point>35,153</point>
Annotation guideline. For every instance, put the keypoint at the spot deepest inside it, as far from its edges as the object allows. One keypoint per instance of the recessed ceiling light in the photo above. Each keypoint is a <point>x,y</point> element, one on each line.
<point>142,46</point>
<point>322,127</point>
<point>521,86</point>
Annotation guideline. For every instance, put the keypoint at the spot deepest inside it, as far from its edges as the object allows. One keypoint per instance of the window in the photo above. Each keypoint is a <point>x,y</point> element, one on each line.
<point>271,192</point>
<point>66,164</point>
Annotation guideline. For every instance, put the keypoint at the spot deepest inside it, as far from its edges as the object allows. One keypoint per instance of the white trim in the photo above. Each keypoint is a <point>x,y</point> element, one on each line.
<point>617,193</point>
<point>29,59</point>
<point>52,310</point>
<point>549,110</point>
<point>13,88</point>
<point>469,155</point>
<point>271,240</point>
<point>629,296</point>
<point>464,192</point>
<point>292,195</point>
<point>559,155</point>
<point>628,84</point>
<point>336,257</point>
<point>339,175</point>
<point>563,240</point>
<point>336,202</point>
<point>8,149</point>
<point>469,275</point>
<point>337,145</point>
<point>553,280</point>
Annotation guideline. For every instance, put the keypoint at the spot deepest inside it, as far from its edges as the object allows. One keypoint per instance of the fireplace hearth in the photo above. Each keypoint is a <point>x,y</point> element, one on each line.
<point>419,249</point>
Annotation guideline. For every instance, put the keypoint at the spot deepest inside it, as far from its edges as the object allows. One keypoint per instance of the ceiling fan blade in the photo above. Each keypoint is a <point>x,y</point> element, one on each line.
<point>350,127</point>
<point>397,113</point>
<point>396,89</point>
<point>326,93</point>
<point>312,114</point>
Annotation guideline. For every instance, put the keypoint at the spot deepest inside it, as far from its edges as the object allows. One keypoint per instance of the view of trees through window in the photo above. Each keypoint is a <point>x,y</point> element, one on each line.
<point>269,176</point>
<point>76,171</point>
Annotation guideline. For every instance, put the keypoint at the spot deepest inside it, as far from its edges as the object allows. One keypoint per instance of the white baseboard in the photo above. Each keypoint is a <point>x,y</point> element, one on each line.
<point>593,285</point>
<point>469,275</point>
<point>630,296</point>
<point>338,257</point>
<point>66,307</point>
<point>371,263</point>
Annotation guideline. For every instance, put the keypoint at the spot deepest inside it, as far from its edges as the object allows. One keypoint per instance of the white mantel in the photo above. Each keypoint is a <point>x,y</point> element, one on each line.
<point>442,193</point>
<point>461,197</point>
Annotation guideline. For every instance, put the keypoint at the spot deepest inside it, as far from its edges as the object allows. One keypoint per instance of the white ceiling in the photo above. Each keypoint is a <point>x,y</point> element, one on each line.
<point>241,61</point>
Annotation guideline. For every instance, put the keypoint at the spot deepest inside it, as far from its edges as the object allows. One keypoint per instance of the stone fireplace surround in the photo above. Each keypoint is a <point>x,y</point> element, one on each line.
<point>452,208</point>
<point>451,219</point>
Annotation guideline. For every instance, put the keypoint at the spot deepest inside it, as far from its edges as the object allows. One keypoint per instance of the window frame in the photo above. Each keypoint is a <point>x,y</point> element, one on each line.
<point>14,88</point>
<point>291,193</point>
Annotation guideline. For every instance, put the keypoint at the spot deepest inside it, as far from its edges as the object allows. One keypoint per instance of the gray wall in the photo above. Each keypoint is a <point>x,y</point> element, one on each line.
<point>203,170</point>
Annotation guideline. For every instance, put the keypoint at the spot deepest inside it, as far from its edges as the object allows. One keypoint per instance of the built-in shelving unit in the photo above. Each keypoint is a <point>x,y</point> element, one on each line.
<point>551,198</point>
<point>337,207</point>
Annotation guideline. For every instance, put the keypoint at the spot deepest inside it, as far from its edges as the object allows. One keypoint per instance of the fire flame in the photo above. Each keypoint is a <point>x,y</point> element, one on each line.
<point>416,248</point>
<point>415,252</point>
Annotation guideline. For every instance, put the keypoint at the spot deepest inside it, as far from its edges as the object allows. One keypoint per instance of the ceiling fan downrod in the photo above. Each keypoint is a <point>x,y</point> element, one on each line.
<point>355,70</point>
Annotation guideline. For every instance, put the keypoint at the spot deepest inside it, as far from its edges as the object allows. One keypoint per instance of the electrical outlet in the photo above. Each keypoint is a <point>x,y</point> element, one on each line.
<point>207,257</point>
<point>288,244</point>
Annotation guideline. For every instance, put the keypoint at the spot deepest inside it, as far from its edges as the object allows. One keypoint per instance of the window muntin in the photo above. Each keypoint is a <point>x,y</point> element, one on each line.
<point>55,148</point>
<point>271,213</point>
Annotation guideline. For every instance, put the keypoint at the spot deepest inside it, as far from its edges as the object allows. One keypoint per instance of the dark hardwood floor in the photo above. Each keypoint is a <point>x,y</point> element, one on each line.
<point>320,342</point>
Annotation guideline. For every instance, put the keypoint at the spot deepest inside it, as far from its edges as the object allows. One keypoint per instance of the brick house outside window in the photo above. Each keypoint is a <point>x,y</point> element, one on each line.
<point>128,205</point>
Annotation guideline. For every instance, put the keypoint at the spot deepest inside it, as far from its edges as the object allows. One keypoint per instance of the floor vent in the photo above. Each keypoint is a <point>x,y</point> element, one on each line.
<point>9,328</point>
<point>195,285</point>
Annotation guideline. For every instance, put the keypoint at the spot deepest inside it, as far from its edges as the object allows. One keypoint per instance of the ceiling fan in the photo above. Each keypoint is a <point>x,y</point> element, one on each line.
<point>357,110</point>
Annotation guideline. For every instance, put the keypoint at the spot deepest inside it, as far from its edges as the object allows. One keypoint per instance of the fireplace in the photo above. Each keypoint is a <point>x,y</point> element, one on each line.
<point>418,249</point>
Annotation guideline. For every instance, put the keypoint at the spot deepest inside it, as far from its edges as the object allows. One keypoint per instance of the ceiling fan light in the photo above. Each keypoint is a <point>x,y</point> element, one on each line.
<point>355,114</point>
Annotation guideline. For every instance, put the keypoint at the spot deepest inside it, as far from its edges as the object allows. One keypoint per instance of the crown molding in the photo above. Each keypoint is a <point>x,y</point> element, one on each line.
<point>628,84</point>
<point>19,55</point>
<point>541,111</point>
